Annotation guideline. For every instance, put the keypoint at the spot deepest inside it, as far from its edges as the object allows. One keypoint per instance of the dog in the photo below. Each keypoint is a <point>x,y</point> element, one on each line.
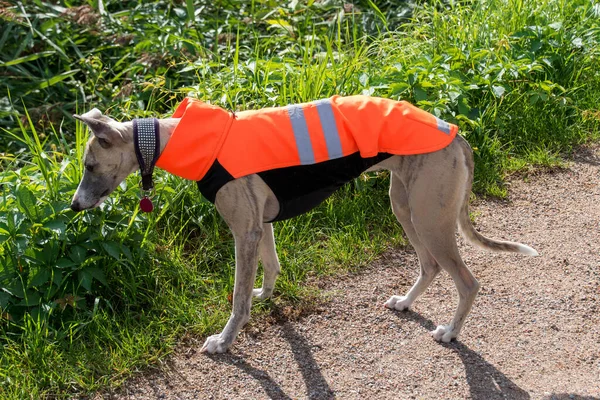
<point>323,145</point>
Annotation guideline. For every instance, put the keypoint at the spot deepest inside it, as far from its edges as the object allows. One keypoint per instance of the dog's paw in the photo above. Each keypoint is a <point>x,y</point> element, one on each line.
<point>262,294</point>
<point>443,334</point>
<point>399,303</point>
<point>214,344</point>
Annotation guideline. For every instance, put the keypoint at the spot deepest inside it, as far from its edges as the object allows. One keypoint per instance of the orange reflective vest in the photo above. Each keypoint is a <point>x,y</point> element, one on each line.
<point>259,140</point>
<point>303,152</point>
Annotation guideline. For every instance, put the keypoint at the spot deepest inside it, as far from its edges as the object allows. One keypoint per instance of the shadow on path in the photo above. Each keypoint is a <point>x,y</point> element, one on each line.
<point>317,387</point>
<point>271,388</point>
<point>587,155</point>
<point>485,381</point>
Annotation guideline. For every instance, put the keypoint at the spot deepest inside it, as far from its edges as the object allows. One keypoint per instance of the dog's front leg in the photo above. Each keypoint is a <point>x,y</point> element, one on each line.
<point>241,204</point>
<point>246,262</point>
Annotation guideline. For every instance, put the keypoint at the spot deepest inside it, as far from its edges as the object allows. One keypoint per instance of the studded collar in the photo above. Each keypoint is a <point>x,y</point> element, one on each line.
<point>146,139</point>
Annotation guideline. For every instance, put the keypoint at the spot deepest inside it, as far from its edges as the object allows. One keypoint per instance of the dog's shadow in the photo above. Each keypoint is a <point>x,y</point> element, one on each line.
<point>317,387</point>
<point>271,388</point>
<point>485,381</point>
<point>587,155</point>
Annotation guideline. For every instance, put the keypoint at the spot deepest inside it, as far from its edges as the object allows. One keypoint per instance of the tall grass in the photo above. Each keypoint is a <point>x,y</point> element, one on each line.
<point>89,299</point>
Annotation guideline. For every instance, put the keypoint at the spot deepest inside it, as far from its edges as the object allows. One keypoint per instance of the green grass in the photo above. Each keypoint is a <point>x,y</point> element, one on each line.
<point>89,299</point>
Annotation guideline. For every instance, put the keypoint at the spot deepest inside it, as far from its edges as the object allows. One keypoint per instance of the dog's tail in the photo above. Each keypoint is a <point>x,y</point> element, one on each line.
<point>466,227</point>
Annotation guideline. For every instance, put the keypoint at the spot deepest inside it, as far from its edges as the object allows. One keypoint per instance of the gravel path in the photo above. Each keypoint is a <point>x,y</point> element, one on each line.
<point>534,332</point>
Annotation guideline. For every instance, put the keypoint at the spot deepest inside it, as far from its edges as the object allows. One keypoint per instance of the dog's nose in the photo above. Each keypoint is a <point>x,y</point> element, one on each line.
<point>75,206</point>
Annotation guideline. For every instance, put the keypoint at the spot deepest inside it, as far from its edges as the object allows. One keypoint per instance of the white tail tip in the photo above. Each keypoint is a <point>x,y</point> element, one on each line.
<point>528,251</point>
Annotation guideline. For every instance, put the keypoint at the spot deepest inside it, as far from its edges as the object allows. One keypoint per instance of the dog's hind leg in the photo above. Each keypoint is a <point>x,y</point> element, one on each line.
<point>270,262</point>
<point>429,266</point>
<point>439,238</point>
<point>436,198</point>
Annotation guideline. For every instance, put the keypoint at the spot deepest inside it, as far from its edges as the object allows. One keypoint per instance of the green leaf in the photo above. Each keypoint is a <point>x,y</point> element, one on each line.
<point>32,298</point>
<point>3,228</point>
<point>16,289</point>
<point>51,43</point>
<point>190,67</point>
<point>85,279</point>
<point>556,25</point>
<point>42,277</point>
<point>26,202</point>
<point>498,90</point>
<point>28,58</point>
<point>378,13</point>
<point>15,221</point>
<point>399,88</point>
<point>46,212</point>
<point>363,79</point>
<point>420,94</point>
<point>77,254</point>
<point>426,84</point>
<point>21,244</point>
<point>57,280</point>
<point>87,275</point>
<point>453,95</point>
<point>101,8</point>
<point>58,226</point>
<point>98,274</point>
<point>65,263</point>
<point>4,299</point>
<point>52,81</point>
<point>280,23</point>
<point>190,9</point>
<point>112,249</point>
<point>536,45</point>
<point>534,98</point>
<point>125,250</point>
<point>463,107</point>
<point>545,87</point>
<point>33,258</point>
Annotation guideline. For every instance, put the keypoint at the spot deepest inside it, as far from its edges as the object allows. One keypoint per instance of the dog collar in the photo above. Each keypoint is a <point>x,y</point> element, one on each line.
<point>146,139</point>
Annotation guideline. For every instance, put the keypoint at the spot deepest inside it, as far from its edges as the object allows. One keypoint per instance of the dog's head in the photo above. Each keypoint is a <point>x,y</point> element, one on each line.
<point>108,159</point>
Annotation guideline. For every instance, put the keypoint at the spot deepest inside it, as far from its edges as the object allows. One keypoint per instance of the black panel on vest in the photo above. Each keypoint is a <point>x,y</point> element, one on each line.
<point>215,178</point>
<point>301,188</point>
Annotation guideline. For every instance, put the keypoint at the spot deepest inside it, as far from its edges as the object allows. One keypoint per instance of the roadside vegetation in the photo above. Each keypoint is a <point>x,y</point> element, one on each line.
<point>88,299</point>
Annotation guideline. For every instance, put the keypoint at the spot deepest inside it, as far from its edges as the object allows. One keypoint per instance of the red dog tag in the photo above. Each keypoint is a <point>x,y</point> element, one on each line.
<point>146,205</point>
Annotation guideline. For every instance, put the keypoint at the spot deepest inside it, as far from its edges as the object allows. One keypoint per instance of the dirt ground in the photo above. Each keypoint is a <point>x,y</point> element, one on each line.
<point>533,333</point>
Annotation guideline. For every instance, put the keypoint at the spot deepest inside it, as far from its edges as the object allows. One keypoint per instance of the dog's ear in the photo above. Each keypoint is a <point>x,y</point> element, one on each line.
<point>100,127</point>
<point>94,113</point>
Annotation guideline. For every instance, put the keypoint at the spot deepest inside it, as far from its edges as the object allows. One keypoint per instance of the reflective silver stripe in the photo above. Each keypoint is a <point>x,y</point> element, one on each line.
<point>332,137</point>
<point>305,150</point>
<point>443,126</point>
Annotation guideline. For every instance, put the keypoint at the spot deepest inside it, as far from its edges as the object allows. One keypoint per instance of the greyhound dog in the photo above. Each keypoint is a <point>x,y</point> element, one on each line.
<point>429,196</point>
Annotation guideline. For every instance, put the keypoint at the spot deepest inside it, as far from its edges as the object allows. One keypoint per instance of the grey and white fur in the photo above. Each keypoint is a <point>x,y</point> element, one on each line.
<point>429,195</point>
